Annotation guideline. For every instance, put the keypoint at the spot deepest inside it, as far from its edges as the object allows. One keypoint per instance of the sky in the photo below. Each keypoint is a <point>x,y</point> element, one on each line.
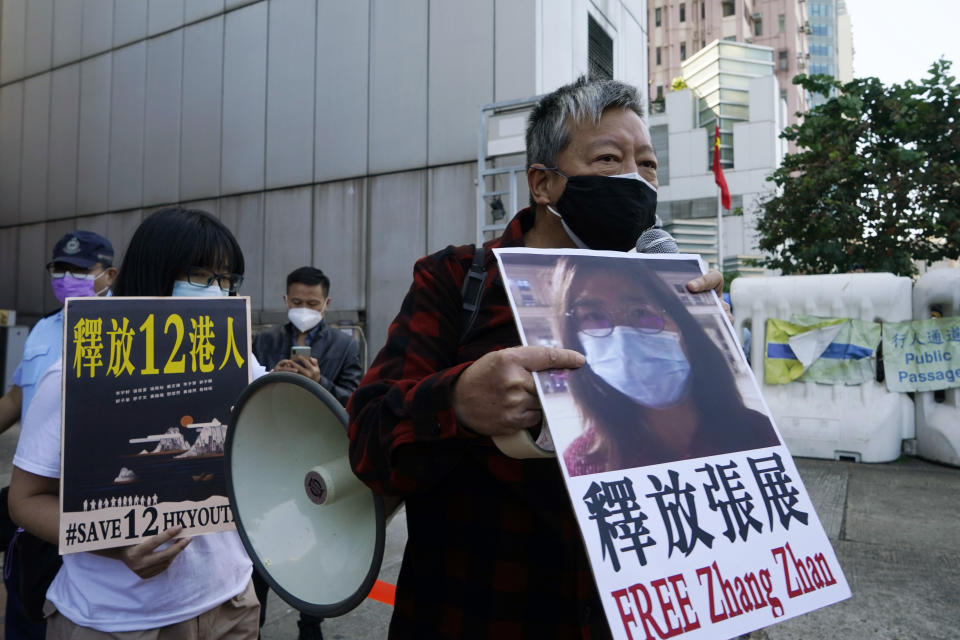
<point>897,40</point>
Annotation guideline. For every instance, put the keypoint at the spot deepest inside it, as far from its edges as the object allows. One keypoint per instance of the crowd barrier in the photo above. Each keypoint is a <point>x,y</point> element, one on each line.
<point>938,412</point>
<point>865,422</point>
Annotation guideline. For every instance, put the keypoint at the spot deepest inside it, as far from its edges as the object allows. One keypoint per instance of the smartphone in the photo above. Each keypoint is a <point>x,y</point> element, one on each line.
<point>300,351</point>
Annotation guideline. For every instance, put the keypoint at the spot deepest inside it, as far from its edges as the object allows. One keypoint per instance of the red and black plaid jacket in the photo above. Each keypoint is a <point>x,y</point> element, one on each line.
<point>493,548</point>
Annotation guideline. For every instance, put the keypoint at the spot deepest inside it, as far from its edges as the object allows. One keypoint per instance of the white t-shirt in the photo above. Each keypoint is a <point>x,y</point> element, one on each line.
<point>102,593</point>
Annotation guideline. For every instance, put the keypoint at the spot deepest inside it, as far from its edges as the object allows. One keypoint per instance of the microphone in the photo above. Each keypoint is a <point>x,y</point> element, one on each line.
<point>655,240</point>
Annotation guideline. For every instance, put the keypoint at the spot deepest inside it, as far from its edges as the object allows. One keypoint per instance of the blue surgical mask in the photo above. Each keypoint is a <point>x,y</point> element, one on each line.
<point>183,289</point>
<point>649,368</point>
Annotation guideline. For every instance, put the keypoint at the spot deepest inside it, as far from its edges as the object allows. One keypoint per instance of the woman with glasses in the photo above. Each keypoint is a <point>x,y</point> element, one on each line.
<point>180,252</point>
<point>655,387</point>
<point>172,588</point>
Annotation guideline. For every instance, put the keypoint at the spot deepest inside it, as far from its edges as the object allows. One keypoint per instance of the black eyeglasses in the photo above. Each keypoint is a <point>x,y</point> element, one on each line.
<point>598,322</point>
<point>200,277</point>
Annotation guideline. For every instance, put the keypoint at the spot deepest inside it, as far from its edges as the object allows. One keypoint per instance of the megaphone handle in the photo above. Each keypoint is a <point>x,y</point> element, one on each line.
<point>522,445</point>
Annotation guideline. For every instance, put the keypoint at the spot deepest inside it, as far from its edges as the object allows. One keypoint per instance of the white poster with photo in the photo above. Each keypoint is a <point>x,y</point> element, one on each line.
<point>694,517</point>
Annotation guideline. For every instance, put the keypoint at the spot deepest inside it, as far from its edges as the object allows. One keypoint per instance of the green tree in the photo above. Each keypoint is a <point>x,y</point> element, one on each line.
<point>875,181</point>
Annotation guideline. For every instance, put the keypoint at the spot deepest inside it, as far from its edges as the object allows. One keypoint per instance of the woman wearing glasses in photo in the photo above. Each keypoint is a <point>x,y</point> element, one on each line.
<point>173,588</point>
<point>655,387</point>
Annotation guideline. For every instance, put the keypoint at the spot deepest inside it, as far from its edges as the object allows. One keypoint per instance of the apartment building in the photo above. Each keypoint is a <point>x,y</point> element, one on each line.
<point>680,28</point>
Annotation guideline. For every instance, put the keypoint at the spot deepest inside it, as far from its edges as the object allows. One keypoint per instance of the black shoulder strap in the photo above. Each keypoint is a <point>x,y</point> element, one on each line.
<point>472,291</point>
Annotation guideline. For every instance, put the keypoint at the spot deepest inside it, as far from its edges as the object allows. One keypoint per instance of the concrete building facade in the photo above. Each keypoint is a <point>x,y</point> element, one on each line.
<point>782,25</point>
<point>687,200</point>
<point>339,134</point>
<point>844,43</point>
<point>679,29</point>
<point>831,42</point>
<point>719,78</point>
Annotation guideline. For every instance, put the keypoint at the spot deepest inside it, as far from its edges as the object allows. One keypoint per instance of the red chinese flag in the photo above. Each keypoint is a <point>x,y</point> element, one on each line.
<point>718,171</point>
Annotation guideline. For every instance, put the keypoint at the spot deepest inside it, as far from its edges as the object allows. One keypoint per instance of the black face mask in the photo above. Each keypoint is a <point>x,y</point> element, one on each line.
<point>606,212</point>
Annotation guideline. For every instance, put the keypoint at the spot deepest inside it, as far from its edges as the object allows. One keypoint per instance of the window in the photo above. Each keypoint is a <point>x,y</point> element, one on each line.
<point>683,12</point>
<point>659,138</point>
<point>599,51</point>
<point>683,50</point>
<point>758,27</point>
<point>781,23</point>
<point>729,8</point>
<point>658,57</point>
<point>783,94</point>
<point>699,208</point>
<point>782,60</point>
<point>703,10</point>
<point>820,9</point>
<point>658,16</point>
<point>660,92</point>
<point>821,29</point>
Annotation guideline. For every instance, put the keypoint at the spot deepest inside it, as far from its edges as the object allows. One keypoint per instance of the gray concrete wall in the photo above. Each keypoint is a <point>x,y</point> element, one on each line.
<point>342,134</point>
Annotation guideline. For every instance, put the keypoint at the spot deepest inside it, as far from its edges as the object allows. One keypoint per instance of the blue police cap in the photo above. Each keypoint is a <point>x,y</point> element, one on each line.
<point>83,249</point>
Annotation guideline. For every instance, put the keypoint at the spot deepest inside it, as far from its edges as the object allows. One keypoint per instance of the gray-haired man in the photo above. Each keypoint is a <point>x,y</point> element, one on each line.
<point>493,547</point>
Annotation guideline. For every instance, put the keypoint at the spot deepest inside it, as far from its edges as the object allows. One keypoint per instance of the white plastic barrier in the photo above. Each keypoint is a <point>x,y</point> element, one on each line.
<point>938,413</point>
<point>863,422</point>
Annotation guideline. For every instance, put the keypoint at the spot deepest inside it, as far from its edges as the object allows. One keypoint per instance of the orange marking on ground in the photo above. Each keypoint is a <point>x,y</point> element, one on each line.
<point>383,592</point>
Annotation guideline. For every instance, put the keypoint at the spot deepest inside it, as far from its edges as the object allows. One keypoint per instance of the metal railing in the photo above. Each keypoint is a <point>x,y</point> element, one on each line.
<point>501,133</point>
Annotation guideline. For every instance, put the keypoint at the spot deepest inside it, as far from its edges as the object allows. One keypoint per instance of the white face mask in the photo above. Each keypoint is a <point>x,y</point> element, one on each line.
<point>183,289</point>
<point>651,369</point>
<point>303,318</point>
<point>635,176</point>
<point>576,240</point>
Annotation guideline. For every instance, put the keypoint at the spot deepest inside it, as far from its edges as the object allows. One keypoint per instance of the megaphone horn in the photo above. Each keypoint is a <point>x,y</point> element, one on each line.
<point>312,529</point>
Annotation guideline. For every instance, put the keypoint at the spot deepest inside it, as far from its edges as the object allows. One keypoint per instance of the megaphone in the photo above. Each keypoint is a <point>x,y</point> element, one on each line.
<point>312,529</point>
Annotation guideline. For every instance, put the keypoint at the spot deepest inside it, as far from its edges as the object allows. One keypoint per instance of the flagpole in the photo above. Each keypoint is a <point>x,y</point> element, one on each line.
<point>719,232</point>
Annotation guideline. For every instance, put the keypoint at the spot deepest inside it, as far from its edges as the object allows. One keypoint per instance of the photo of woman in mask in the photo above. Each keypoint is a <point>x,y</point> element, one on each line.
<point>655,387</point>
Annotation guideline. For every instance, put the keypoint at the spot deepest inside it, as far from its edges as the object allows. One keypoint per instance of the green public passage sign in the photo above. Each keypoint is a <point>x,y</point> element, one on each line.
<point>922,355</point>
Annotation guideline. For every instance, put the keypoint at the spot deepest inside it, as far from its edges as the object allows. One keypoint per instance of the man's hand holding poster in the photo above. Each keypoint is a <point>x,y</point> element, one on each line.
<point>693,514</point>
<point>148,385</point>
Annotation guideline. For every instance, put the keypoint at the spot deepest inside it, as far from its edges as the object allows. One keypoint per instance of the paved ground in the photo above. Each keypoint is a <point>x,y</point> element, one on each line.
<point>895,528</point>
<point>896,531</point>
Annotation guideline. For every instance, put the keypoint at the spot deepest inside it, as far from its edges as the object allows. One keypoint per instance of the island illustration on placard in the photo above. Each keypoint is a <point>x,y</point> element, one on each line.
<point>175,444</point>
<point>191,451</point>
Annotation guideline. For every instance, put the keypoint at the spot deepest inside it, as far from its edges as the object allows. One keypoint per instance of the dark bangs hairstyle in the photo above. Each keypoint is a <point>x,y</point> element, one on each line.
<point>310,276</point>
<point>612,414</point>
<point>169,242</point>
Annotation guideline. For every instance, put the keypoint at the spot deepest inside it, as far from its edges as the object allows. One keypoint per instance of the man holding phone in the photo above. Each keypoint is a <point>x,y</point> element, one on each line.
<point>308,346</point>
